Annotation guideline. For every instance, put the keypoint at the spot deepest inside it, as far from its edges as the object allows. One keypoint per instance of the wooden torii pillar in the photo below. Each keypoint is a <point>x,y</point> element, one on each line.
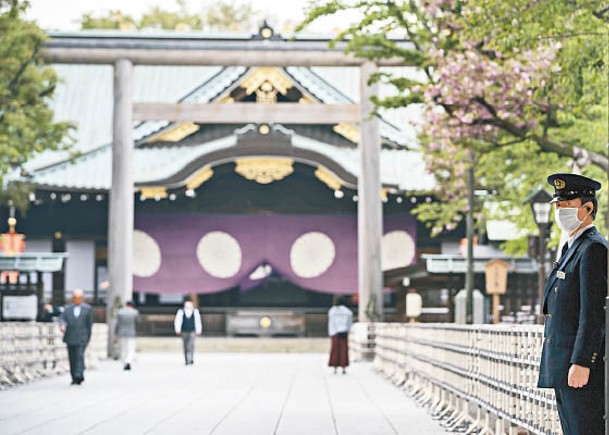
<point>370,206</point>
<point>121,204</point>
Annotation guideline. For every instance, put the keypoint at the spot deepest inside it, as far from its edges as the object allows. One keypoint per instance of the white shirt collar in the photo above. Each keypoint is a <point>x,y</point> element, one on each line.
<point>570,240</point>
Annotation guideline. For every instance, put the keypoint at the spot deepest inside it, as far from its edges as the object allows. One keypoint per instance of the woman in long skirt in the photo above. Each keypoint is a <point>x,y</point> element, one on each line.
<point>339,322</point>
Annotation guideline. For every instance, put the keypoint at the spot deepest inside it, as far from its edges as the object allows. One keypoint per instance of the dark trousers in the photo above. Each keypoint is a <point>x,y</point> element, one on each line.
<point>581,410</point>
<point>189,346</point>
<point>76,355</point>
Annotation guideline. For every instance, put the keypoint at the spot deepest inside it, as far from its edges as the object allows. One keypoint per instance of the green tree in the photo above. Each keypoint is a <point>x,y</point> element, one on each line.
<point>26,88</point>
<point>230,16</point>
<point>218,16</point>
<point>182,19</point>
<point>521,84</point>
<point>112,20</point>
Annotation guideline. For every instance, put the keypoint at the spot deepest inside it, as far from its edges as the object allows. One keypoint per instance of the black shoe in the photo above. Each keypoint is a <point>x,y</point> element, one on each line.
<point>73,382</point>
<point>127,367</point>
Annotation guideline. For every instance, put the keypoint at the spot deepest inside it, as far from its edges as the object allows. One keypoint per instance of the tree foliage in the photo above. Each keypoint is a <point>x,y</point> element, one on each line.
<point>217,16</point>
<point>27,86</point>
<point>520,85</point>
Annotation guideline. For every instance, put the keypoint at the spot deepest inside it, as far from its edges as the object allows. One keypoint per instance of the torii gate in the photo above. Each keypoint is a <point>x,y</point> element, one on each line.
<point>123,51</point>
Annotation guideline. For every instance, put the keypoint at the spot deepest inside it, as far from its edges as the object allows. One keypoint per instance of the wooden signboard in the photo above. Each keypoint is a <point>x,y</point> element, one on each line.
<point>496,277</point>
<point>496,282</point>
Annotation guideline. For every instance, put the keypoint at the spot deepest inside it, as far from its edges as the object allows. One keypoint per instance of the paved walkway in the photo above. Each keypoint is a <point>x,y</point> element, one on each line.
<point>221,394</point>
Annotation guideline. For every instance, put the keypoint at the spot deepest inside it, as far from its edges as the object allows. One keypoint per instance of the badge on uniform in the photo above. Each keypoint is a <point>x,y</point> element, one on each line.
<point>561,275</point>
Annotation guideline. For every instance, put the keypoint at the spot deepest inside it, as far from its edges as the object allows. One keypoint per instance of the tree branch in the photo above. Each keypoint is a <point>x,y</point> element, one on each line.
<point>600,14</point>
<point>543,142</point>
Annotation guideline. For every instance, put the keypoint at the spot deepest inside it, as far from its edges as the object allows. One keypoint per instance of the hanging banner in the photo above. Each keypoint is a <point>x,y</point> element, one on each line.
<point>197,253</point>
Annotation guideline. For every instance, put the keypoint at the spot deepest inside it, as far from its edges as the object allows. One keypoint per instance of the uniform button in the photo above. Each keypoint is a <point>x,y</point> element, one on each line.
<point>547,339</point>
<point>548,316</point>
<point>555,289</point>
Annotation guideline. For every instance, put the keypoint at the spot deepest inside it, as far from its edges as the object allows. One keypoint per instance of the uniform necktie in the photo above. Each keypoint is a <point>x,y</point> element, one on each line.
<point>563,251</point>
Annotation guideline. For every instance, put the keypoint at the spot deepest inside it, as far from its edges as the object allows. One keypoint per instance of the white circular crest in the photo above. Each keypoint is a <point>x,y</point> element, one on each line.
<point>397,250</point>
<point>219,254</point>
<point>312,254</point>
<point>146,254</point>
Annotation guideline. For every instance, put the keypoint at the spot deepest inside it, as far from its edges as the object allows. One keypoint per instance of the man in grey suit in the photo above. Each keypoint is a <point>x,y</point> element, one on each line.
<point>125,329</point>
<point>76,324</point>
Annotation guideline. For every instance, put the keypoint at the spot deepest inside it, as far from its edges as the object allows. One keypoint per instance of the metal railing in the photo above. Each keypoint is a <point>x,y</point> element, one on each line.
<point>476,379</point>
<point>33,350</point>
<point>361,341</point>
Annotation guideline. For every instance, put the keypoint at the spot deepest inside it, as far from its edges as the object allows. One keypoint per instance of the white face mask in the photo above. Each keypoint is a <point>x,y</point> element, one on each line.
<point>566,219</point>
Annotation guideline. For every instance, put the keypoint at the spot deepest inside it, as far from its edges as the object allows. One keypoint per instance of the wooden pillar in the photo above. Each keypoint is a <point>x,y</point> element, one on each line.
<point>370,209</point>
<point>120,222</point>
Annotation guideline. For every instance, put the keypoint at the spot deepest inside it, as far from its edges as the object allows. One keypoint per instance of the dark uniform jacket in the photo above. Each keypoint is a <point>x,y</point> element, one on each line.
<point>78,329</point>
<point>574,300</point>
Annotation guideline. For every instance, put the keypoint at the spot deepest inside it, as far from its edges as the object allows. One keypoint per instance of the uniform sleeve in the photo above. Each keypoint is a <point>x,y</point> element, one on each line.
<point>177,322</point>
<point>593,291</point>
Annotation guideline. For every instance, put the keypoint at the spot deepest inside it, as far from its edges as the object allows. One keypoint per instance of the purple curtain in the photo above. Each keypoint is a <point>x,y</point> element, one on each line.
<point>261,239</point>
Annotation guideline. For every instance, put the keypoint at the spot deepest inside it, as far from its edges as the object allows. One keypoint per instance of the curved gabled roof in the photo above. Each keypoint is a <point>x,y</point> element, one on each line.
<point>172,165</point>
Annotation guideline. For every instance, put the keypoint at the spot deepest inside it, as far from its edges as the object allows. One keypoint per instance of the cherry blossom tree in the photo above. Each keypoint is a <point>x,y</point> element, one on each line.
<point>515,87</point>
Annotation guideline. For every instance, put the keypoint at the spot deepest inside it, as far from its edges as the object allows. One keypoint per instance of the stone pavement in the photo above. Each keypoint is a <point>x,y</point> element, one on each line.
<point>222,393</point>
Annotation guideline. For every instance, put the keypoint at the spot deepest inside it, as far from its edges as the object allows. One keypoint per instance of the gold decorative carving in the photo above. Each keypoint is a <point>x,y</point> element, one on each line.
<point>328,178</point>
<point>153,192</point>
<point>177,133</point>
<point>348,131</point>
<point>384,193</point>
<point>200,177</point>
<point>227,99</point>
<point>266,82</point>
<point>305,100</point>
<point>265,170</point>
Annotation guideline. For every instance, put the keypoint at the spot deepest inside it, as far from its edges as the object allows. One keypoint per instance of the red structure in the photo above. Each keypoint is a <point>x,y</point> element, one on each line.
<point>11,243</point>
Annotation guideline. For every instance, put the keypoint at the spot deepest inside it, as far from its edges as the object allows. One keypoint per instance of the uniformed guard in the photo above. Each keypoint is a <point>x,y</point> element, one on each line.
<point>573,304</point>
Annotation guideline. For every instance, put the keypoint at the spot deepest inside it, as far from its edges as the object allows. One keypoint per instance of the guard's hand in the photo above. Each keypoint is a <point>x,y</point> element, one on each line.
<point>578,376</point>
<point>62,327</point>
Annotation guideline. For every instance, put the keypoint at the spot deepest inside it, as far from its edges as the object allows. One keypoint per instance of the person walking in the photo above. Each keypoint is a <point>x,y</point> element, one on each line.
<point>76,323</point>
<point>187,323</point>
<point>126,321</point>
<point>340,319</point>
<point>573,305</point>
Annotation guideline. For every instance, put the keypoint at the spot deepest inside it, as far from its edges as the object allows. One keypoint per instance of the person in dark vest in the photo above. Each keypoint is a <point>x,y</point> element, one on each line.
<point>573,304</point>
<point>187,323</point>
<point>76,323</point>
<point>339,323</point>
